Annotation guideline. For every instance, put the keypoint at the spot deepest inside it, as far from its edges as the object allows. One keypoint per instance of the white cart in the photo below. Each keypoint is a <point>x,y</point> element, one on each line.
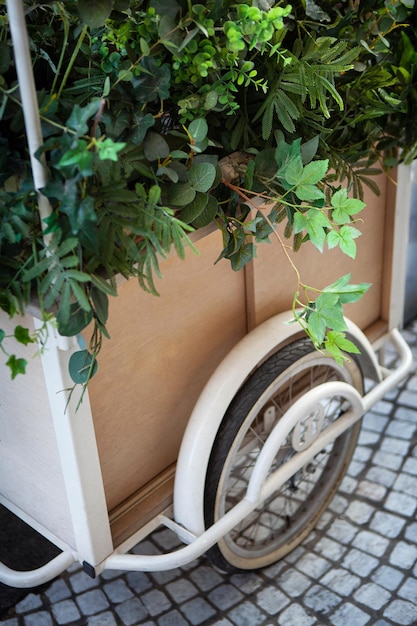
<point>235,435</point>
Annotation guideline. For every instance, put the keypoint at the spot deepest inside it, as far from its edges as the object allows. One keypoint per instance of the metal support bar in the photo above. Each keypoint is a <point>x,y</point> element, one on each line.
<point>35,577</point>
<point>261,487</point>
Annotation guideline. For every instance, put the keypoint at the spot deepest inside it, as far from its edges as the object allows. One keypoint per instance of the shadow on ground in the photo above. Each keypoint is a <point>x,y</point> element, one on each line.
<point>21,548</point>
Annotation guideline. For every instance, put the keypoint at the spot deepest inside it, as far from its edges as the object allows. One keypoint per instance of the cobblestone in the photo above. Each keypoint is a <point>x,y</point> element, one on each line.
<point>388,577</point>
<point>386,524</point>
<point>404,555</point>
<point>371,542</point>
<point>350,614</point>
<point>401,502</point>
<point>359,563</point>
<point>357,568</point>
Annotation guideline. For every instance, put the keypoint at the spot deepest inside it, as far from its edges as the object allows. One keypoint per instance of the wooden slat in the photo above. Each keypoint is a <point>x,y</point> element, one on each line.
<point>142,506</point>
<point>161,353</point>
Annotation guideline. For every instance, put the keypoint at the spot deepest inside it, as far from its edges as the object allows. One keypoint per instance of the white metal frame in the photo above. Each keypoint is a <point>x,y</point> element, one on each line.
<point>81,470</point>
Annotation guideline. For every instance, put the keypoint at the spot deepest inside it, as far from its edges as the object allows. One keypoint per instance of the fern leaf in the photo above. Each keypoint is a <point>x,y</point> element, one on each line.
<point>80,295</point>
<point>37,270</point>
<point>267,119</point>
<point>67,246</point>
<point>52,295</point>
<point>65,303</point>
<point>284,116</point>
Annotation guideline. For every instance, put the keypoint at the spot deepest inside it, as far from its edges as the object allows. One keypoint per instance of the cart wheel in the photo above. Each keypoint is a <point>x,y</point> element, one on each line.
<point>283,521</point>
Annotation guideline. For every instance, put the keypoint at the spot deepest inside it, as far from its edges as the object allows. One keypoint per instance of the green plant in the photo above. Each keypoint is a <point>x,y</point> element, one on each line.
<point>140,103</point>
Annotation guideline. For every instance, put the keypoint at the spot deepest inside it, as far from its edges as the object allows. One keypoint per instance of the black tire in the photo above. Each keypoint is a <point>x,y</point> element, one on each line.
<point>284,520</point>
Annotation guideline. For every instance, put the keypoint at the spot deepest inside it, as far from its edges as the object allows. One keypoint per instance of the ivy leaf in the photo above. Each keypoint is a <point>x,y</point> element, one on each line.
<point>94,12</point>
<point>315,222</point>
<point>245,254</point>
<point>154,83</point>
<point>80,115</point>
<point>17,366</point>
<point>22,335</point>
<point>263,230</point>
<point>80,158</point>
<point>336,345</point>
<point>305,179</point>
<point>347,292</point>
<point>141,125</point>
<point>293,171</point>
<point>339,338</point>
<point>109,149</point>
<point>345,207</point>
<point>81,215</point>
<point>309,149</point>
<point>344,238</point>
<point>327,314</point>
<point>286,153</point>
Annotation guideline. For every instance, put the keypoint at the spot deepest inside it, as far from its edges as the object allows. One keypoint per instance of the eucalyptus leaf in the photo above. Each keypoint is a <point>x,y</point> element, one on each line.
<point>201,176</point>
<point>101,304</point>
<point>181,194</point>
<point>76,322</point>
<point>208,214</point>
<point>82,366</point>
<point>155,147</point>
<point>192,211</point>
<point>94,13</point>
<point>198,129</point>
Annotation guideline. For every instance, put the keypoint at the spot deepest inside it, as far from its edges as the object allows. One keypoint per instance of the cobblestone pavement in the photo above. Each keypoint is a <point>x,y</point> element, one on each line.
<point>358,567</point>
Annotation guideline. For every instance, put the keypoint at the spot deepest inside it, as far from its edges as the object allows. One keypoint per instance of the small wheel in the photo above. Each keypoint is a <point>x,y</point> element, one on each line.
<point>283,521</point>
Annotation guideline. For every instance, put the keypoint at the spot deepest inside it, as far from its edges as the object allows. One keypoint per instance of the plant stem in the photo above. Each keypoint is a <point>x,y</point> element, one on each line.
<point>284,247</point>
<point>72,59</point>
<point>61,57</point>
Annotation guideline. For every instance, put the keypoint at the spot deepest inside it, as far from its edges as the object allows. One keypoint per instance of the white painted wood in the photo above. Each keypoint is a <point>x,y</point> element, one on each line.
<point>78,453</point>
<point>400,248</point>
<point>49,467</point>
<point>30,469</point>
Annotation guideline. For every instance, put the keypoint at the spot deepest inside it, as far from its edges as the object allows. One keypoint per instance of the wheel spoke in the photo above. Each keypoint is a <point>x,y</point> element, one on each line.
<point>281,522</point>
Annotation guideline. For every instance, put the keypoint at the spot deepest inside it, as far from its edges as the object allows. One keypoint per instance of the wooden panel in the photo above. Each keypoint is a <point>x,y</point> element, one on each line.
<point>142,507</point>
<point>161,354</point>
<point>274,282</point>
<point>30,470</point>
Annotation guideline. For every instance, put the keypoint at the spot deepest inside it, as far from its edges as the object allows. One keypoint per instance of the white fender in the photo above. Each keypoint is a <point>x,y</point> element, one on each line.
<point>214,400</point>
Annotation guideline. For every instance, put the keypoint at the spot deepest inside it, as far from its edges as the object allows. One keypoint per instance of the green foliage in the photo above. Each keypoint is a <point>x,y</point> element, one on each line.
<point>139,103</point>
<point>323,319</point>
